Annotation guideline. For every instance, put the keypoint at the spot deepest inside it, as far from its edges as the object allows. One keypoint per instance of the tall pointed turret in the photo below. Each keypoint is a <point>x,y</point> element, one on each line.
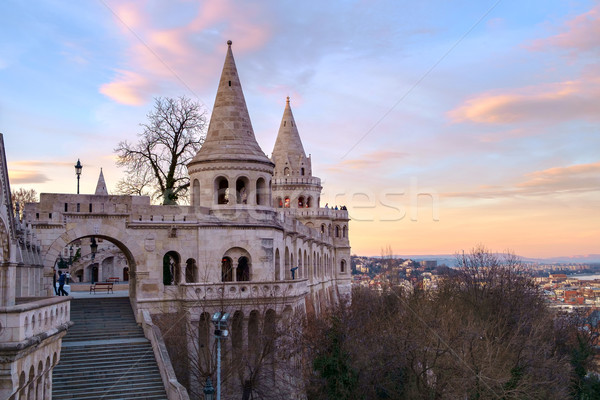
<point>230,134</point>
<point>230,169</point>
<point>101,186</point>
<point>288,153</point>
<point>294,186</point>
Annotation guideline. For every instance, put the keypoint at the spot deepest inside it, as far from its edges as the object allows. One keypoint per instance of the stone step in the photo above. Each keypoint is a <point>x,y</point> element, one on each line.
<point>105,355</point>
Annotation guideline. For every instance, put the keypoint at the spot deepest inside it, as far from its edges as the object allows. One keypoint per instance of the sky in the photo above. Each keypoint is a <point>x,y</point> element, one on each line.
<point>440,125</point>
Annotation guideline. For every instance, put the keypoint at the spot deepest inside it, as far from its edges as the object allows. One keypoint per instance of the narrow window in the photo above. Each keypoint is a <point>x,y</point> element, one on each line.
<point>284,123</point>
<point>78,206</point>
<point>37,215</point>
<point>66,207</point>
<point>90,207</point>
<point>229,83</point>
<point>50,215</point>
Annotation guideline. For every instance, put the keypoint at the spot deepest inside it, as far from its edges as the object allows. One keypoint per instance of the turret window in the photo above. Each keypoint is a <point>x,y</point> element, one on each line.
<point>301,202</point>
<point>302,171</point>
<point>229,83</point>
<point>222,189</point>
<point>286,171</point>
<point>287,202</point>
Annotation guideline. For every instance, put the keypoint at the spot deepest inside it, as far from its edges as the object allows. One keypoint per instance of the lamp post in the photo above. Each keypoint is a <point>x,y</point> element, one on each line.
<point>94,248</point>
<point>209,390</point>
<point>219,320</point>
<point>78,168</point>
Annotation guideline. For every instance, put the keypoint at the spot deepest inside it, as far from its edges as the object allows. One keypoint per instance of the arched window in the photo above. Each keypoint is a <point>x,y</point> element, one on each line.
<point>196,193</point>
<point>191,271</point>
<point>262,194</point>
<point>253,343</point>
<point>300,201</point>
<point>125,274</point>
<point>279,202</point>
<point>288,264</point>
<point>237,335</point>
<point>243,270</point>
<point>344,231</point>
<point>277,265</point>
<point>241,190</point>
<point>222,190</point>
<point>302,171</point>
<point>337,231</point>
<point>286,171</point>
<point>343,266</point>
<point>309,202</point>
<point>171,268</point>
<point>322,228</point>
<point>226,270</point>
<point>204,334</point>
<point>287,202</point>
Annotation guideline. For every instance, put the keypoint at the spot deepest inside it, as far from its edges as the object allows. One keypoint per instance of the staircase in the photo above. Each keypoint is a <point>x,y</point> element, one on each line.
<point>105,355</point>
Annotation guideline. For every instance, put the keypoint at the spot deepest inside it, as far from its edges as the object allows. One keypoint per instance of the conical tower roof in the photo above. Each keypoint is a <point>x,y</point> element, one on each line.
<point>230,135</point>
<point>288,143</point>
<point>101,186</point>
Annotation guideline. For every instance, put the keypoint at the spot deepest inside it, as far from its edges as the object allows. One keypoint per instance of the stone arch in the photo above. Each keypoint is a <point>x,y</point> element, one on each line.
<point>277,265</point>
<point>286,202</point>
<point>343,266</point>
<point>226,269</point>
<point>279,202</point>
<point>323,228</point>
<point>221,190</point>
<point>240,260</point>
<point>116,235</point>
<point>237,336</point>
<point>242,189</point>
<point>299,264</point>
<point>196,193</point>
<point>301,202</point>
<point>253,338</point>
<point>191,271</point>
<point>204,334</point>
<point>262,194</point>
<point>171,268</point>
<point>242,272</point>
<point>287,263</point>
<point>309,202</point>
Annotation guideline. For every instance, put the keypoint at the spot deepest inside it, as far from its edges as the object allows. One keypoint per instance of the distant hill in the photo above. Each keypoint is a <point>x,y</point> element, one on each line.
<point>450,259</point>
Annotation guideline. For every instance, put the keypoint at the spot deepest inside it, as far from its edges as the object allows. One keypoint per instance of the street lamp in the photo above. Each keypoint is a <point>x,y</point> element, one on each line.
<point>94,247</point>
<point>219,320</point>
<point>209,390</point>
<point>78,168</point>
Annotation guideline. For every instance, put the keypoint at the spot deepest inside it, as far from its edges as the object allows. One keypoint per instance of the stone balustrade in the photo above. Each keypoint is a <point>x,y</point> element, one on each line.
<point>244,290</point>
<point>297,181</point>
<point>25,320</point>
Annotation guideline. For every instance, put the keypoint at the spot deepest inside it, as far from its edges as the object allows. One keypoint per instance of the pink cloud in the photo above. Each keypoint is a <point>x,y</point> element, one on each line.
<point>581,33</point>
<point>176,54</point>
<point>547,102</point>
<point>128,88</point>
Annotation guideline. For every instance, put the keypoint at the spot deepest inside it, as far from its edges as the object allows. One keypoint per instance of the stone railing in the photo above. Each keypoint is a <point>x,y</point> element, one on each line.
<point>316,212</point>
<point>174,389</point>
<point>243,290</point>
<point>296,181</point>
<point>32,317</point>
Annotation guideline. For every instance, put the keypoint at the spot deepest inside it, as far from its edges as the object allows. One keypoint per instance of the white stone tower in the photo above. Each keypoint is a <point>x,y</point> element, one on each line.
<point>230,169</point>
<point>293,185</point>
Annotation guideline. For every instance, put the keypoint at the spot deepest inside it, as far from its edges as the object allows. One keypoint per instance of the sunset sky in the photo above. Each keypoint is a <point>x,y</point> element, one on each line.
<point>440,125</point>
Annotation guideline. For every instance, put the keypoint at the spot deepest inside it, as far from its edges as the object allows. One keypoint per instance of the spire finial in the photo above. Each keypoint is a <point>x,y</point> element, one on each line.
<point>288,100</point>
<point>229,42</point>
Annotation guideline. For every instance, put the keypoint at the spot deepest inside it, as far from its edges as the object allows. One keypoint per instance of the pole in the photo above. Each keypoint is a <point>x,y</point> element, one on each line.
<point>218,368</point>
<point>77,185</point>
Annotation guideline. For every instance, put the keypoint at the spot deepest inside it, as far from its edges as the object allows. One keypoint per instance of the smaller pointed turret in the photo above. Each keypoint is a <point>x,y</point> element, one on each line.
<point>288,154</point>
<point>101,186</point>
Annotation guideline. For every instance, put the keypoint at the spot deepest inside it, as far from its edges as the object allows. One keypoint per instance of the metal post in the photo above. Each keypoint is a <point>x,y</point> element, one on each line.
<point>218,368</point>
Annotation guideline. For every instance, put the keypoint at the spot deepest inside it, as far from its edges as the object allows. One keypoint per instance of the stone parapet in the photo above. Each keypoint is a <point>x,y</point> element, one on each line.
<point>25,320</point>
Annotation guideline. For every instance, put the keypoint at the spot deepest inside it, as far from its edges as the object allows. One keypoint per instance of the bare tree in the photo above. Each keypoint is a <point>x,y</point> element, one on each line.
<point>156,164</point>
<point>20,197</point>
